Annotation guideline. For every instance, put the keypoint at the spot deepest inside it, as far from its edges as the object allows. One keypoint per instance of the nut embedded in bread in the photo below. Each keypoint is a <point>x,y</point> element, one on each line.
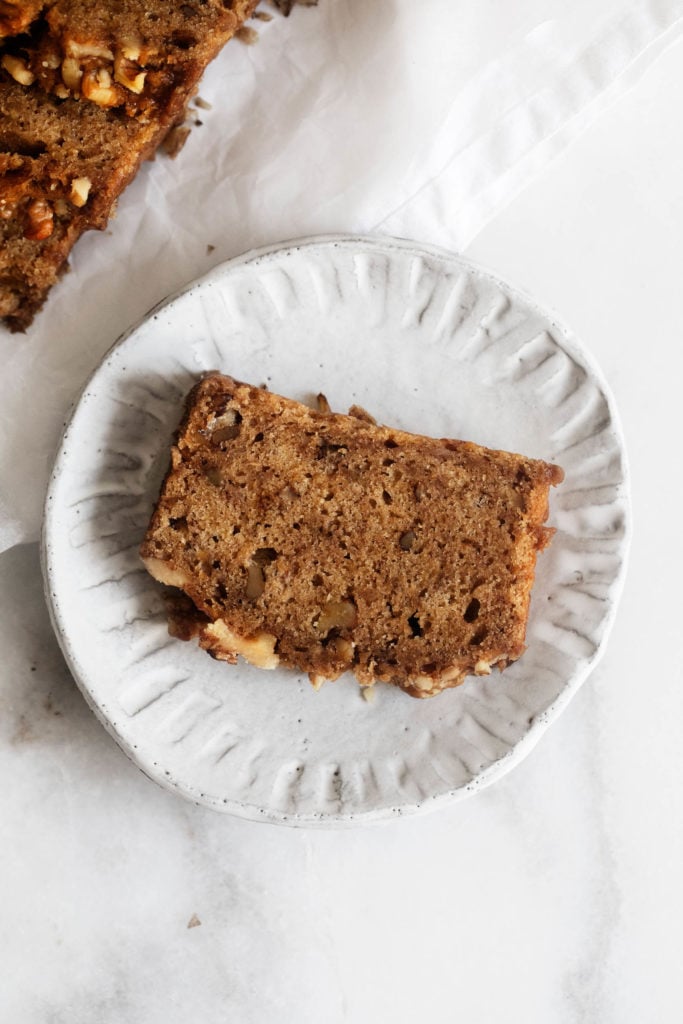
<point>326,543</point>
<point>87,92</point>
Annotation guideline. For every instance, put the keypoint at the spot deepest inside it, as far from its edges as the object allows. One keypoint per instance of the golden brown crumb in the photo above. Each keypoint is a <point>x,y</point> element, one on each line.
<point>310,539</point>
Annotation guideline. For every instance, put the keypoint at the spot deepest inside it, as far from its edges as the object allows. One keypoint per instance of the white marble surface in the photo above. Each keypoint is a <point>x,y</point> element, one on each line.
<point>554,896</point>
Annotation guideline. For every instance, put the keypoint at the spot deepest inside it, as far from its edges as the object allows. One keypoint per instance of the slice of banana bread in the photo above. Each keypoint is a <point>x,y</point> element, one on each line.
<point>327,543</point>
<point>87,91</point>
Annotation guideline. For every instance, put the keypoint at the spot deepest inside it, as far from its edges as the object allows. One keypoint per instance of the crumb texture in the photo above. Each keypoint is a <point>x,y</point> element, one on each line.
<point>327,543</point>
<point>87,91</point>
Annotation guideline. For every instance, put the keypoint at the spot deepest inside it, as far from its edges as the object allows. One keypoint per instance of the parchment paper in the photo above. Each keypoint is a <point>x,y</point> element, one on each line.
<point>417,120</point>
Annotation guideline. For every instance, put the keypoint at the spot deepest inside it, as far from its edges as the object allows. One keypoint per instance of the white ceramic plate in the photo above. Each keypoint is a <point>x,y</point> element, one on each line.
<point>427,343</point>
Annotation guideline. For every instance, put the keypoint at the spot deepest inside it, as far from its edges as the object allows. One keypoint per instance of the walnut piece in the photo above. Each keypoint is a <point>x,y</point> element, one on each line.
<point>71,74</point>
<point>164,573</point>
<point>82,50</point>
<point>18,69</point>
<point>255,581</point>
<point>127,72</point>
<point>97,87</point>
<point>80,190</point>
<point>220,641</point>
<point>39,220</point>
<point>336,615</point>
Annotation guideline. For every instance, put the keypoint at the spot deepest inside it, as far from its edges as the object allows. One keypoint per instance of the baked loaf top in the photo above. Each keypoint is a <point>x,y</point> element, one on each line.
<point>87,91</point>
<point>17,15</point>
<point>327,543</point>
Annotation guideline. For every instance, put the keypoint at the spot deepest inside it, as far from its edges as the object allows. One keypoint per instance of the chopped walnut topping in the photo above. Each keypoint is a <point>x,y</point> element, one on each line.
<point>97,86</point>
<point>131,49</point>
<point>133,81</point>
<point>39,220</point>
<point>93,71</point>
<point>128,74</point>
<point>81,50</point>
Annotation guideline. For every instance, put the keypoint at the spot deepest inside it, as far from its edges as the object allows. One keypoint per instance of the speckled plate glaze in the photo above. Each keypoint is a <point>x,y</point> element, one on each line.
<point>428,343</point>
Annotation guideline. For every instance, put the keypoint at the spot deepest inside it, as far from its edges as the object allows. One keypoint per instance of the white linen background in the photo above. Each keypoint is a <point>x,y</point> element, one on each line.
<point>349,117</point>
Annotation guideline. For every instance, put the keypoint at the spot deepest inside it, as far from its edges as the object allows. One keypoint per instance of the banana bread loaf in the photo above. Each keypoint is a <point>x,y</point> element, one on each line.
<point>87,91</point>
<point>327,543</point>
